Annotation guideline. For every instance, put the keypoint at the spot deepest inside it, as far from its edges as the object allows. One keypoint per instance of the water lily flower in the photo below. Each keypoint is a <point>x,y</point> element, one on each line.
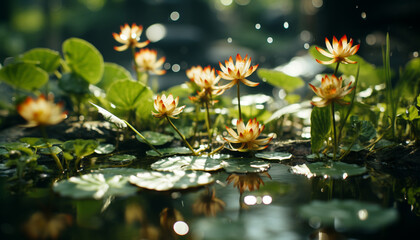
<point>247,136</point>
<point>194,72</point>
<point>238,71</point>
<point>167,106</point>
<point>146,61</point>
<point>129,37</point>
<point>331,90</point>
<point>339,51</point>
<point>41,111</point>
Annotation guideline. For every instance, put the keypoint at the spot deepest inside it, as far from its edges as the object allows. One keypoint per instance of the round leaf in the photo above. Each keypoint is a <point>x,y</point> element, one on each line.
<point>45,58</point>
<point>80,147</point>
<point>164,181</point>
<point>280,79</point>
<point>84,59</point>
<point>24,76</point>
<point>155,138</point>
<point>169,151</point>
<point>183,163</point>
<point>105,148</point>
<point>128,95</point>
<point>274,155</point>
<point>245,165</point>
<point>335,170</point>
<point>347,215</point>
<point>112,73</point>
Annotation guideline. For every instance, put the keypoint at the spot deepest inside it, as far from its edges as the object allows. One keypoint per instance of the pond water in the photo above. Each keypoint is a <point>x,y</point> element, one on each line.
<point>265,205</point>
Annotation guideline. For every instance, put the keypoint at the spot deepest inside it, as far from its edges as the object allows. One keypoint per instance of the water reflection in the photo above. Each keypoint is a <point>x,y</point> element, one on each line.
<point>326,234</point>
<point>249,181</point>
<point>46,226</point>
<point>208,204</point>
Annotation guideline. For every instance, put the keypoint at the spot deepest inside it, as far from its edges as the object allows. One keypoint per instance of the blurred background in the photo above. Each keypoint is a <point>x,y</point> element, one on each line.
<point>275,33</point>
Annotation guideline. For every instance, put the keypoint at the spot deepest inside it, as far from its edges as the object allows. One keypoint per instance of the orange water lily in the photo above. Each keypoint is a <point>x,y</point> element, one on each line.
<point>238,71</point>
<point>41,111</point>
<point>146,61</point>
<point>339,51</point>
<point>331,90</point>
<point>207,81</point>
<point>247,136</point>
<point>167,106</point>
<point>193,72</point>
<point>129,37</point>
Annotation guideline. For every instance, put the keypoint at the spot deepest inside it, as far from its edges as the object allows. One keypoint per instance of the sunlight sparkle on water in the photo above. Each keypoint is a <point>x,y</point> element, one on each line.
<point>229,40</point>
<point>257,26</point>
<point>270,40</point>
<point>174,16</point>
<point>250,200</point>
<point>415,54</point>
<point>176,67</point>
<point>226,2</point>
<point>363,15</point>
<point>267,199</point>
<point>286,25</point>
<point>181,228</point>
<point>363,214</point>
<point>156,32</point>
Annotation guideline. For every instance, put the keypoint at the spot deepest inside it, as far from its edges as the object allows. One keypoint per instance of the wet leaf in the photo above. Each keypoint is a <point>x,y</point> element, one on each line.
<point>122,158</point>
<point>80,147</point>
<point>112,73</point>
<point>336,170</point>
<point>280,79</point>
<point>320,127</point>
<point>169,151</point>
<point>46,59</point>
<point>245,165</point>
<point>155,138</point>
<point>201,163</point>
<point>23,76</point>
<point>349,215</point>
<point>84,59</point>
<point>94,186</point>
<point>111,117</point>
<point>164,181</point>
<point>105,148</point>
<point>274,155</point>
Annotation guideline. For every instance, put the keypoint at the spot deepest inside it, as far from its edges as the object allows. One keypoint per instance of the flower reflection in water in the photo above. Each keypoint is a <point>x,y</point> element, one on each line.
<point>208,204</point>
<point>172,223</point>
<point>326,234</point>
<point>43,226</point>
<point>250,181</point>
<point>135,215</point>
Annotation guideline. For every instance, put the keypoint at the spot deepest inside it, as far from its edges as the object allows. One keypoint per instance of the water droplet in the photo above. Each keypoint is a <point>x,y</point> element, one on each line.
<point>286,25</point>
<point>270,40</point>
<point>174,16</point>
<point>257,26</point>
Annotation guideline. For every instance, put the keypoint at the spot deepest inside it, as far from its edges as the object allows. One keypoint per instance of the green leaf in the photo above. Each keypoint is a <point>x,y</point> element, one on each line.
<point>164,181</point>
<point>320,127</point>
<point>202,163</point>
<point>84,59</point>
<point>105,148</point>
<point>73,84</point>
<point>14,145</point>
<point>337,170</point>
<point>412,113</point>
<point>169,151</point>
<point>187,131</point>
<point>23,76</point>
<point>112,73</point>
<point>155,138</point>
<point>128,95</point>
<point>94,186</point>
<point>39,142</point>
<point>279,79</point>
<point>46,59</point>
<point>349,215</point>
<point>54,149</point>
<point>80,147</point>
<point>245,165</point>
<point>122,158</point>
<point>364,129</point>
<point>110,117</point>
<point>279,156</point>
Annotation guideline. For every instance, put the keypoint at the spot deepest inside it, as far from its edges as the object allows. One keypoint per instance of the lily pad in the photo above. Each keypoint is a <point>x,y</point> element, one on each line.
<point>122,158</point>
<point>274,155</point>
<point>164,181</point>
<point>201,163</point>
<point>39,142</point>
<point>245,165</point>
<point>126,172</point>
<point>169,151</point>
<point>346,215</point>
<point>155,138</point>
<point>335,170</point>
<point>105,148</point>
<point>94,186</point>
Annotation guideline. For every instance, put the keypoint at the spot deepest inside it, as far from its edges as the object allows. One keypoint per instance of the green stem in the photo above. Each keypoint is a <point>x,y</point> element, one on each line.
<point>182,136</point>
<point>239,100</point>
<point>334,131</point>
<point>336,69</point>
<point>142,137</point>
<point>208,124</point>
<point>56,159</point>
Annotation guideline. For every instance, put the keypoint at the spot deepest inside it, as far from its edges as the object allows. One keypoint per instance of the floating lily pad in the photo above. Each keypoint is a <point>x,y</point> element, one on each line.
<point>169,151</point>
<point>345,215</point>
<point>155,138</point>
<point>39,142</point>
<point>163,181</point>
<point>126,172</point>
<point>332,170</point>
<point>274,155</point>
<point>122,158</point>
<point>201,163</point>
<point>94,186</point>
<point>245,165</point>
<point>315,156</point>
<point>105,148</point>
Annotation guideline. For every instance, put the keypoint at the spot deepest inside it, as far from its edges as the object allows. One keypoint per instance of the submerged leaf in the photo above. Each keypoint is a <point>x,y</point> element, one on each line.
<point>335,170</point>
<point>164,181</point>
<point>349,215</point>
